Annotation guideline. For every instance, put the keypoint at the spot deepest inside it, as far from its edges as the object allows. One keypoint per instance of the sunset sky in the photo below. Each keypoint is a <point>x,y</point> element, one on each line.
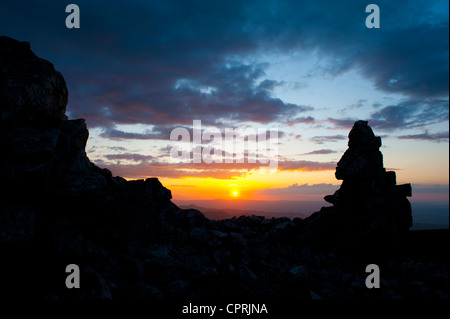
<point>307,68</point>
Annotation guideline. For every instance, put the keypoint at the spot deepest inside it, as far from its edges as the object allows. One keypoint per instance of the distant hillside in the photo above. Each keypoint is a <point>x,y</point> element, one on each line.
<point>219,214</point>
<point>426,215</point>
<point>222,209</point>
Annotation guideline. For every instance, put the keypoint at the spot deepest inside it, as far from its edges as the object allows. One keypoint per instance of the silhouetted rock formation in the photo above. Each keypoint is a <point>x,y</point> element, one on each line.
<point>374,210</point>
<point>43,161</point>
<point>53,196</point>
<point>131,241</point>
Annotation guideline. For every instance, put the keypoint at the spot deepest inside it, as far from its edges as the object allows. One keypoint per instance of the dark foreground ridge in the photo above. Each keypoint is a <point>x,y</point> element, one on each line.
<point>131,242</point>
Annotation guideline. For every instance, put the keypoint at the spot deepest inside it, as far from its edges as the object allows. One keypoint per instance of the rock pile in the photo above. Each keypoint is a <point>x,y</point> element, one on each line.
<point>373,213</point>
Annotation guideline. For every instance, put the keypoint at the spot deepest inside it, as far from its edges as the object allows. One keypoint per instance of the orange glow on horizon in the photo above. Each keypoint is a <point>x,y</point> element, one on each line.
<point>246,187</point>
<point>256,184</point>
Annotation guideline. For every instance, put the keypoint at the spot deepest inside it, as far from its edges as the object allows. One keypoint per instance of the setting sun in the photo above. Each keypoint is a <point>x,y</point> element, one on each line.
<point>235,193</point>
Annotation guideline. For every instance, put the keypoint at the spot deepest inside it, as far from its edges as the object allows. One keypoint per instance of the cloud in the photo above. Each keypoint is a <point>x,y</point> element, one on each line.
<point>301,120</point>
<point>304,189</point>
<point>434,137</point>
<point>158,133</point>
<point>165,63</point>
<point>147,166</point>
<point>408,114</point>
<point>130,157</point>
<point>359,104</point>
<point>223,92</point>
<point>346,124</point>
<point>117,148</point>
<point>161,132</point>
<point>320,152</point>
<point>325,139</point>
<point>142,171</point>
<point>412,60</point>
<point>306,166</point>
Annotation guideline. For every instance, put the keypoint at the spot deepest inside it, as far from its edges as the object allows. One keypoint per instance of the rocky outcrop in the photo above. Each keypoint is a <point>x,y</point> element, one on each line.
<point>131,242</point>
<point>53,197</point>
<point>31,91</point>
<point>373,212</point>
<point>44,163</point>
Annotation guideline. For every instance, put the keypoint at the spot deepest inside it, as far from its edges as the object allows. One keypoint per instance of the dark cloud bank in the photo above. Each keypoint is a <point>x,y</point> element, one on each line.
<point>165,63</point>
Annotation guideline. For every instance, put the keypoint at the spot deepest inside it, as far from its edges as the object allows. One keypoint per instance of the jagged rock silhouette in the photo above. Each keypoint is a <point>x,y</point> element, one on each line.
<point>374,210</point>
<point>131,241</point>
